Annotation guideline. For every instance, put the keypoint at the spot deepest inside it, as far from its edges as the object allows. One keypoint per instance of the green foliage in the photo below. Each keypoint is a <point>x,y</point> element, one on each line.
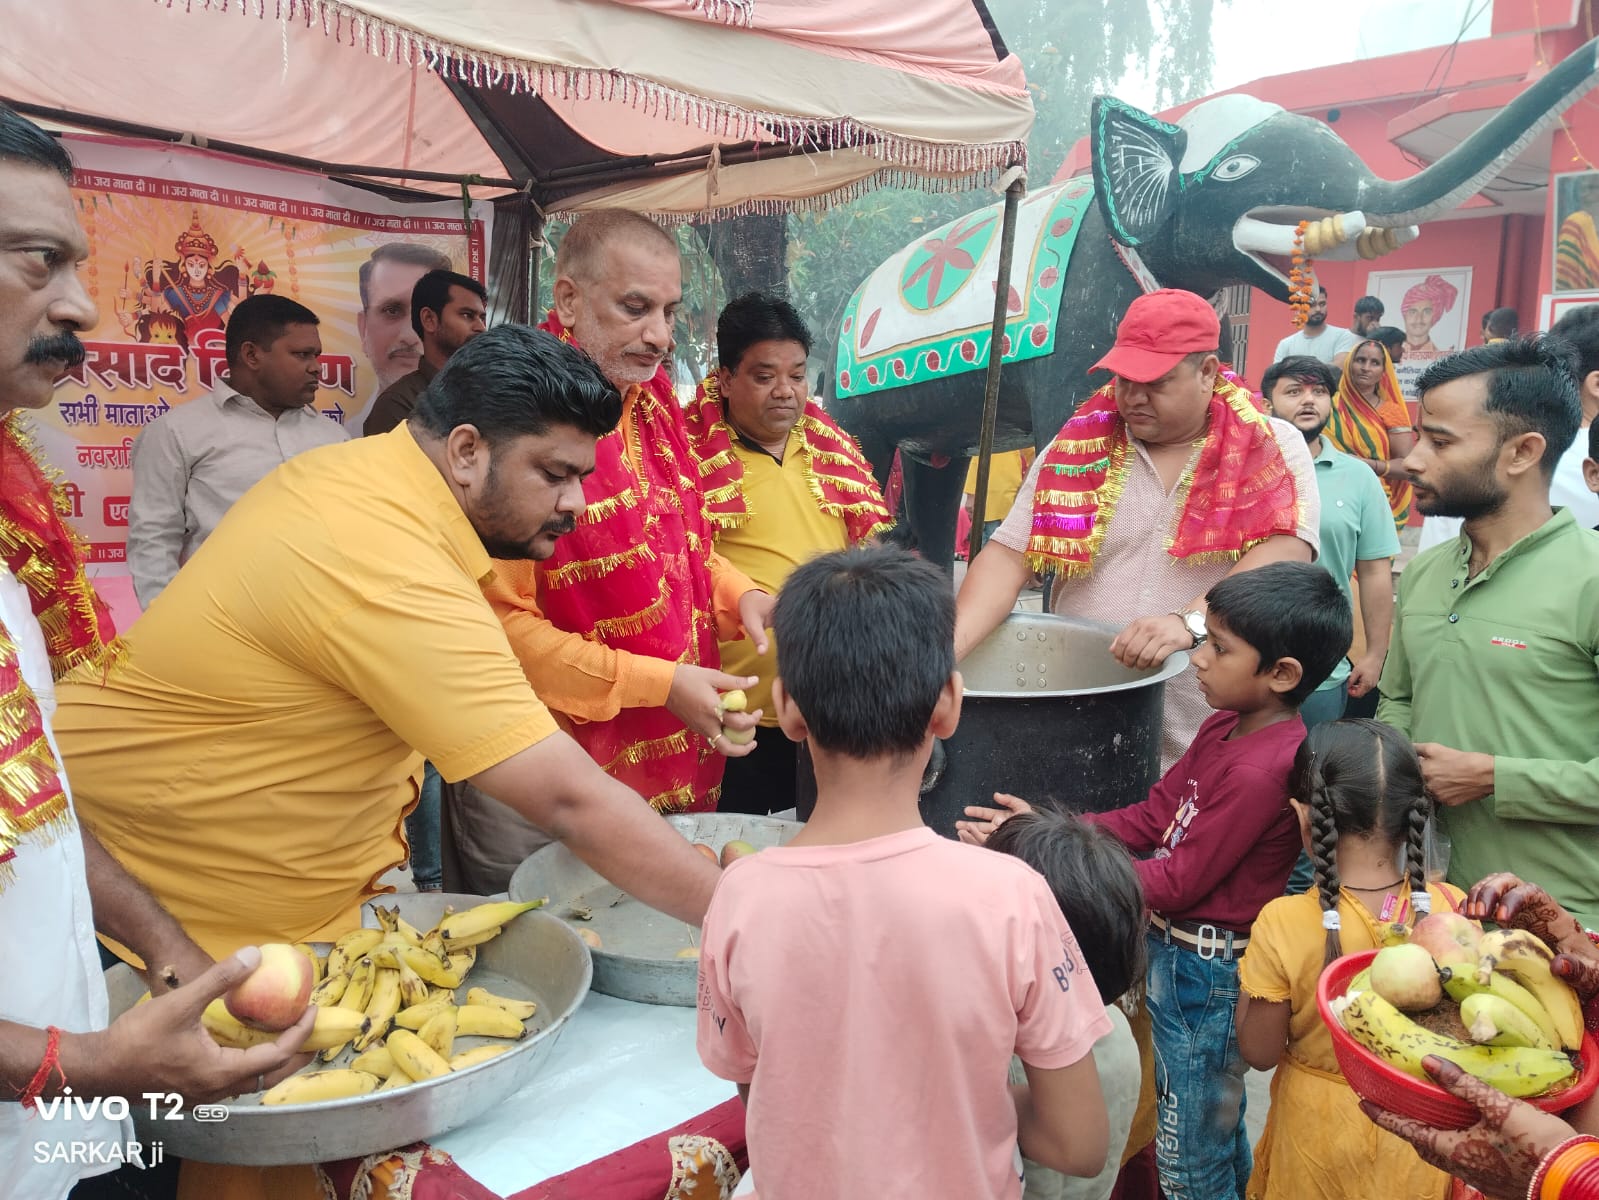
<point>1072,50</point>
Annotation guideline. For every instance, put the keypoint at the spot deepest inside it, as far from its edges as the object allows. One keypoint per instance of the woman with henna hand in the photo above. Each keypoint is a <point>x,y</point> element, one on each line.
<point>1516,1150</point>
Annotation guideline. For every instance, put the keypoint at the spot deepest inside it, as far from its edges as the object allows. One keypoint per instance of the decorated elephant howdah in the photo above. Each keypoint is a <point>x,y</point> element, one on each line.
<point>1216,199</point>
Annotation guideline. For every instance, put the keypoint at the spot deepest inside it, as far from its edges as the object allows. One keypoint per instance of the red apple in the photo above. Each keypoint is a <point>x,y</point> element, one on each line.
<point>708,851</point>
<point>1445,935</point>
<point>276,993</point>
<point>737,848</point>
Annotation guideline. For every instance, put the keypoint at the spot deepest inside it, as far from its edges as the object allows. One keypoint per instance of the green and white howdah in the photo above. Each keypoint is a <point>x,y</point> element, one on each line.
<point>926,299</point>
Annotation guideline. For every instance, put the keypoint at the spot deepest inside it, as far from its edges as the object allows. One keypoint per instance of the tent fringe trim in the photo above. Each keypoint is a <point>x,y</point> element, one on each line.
<point>401,44</point>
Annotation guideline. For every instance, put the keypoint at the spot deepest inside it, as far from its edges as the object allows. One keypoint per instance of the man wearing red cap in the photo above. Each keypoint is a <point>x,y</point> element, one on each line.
<point>1165,480</point>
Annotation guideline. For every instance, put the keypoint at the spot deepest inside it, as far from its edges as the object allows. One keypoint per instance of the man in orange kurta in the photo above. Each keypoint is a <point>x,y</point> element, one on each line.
<point>620,627</point>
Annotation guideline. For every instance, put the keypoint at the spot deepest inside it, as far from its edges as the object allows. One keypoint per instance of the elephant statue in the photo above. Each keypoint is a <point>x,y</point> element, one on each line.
<point>1214,200</point>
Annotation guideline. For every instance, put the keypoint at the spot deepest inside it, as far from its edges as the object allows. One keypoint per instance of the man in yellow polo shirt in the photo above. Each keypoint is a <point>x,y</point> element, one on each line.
<point>782,484</point>
<point>252,756</point>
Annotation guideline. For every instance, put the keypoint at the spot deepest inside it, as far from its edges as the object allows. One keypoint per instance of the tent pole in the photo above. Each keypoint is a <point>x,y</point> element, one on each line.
<point>535,256</point>
<point>996,361</point>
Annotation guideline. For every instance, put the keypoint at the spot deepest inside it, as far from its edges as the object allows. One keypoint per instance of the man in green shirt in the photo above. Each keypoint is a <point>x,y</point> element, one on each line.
<point>1357,527</point>
<point>1493,668</point>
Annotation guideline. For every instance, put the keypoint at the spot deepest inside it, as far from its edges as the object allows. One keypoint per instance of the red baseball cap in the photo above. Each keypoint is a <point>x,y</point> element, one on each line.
<point>1158,332</point>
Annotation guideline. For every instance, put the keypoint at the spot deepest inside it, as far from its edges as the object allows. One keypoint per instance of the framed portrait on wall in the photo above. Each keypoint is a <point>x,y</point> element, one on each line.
<point>1576,234</point>
<point>1554,305</point>
<point>1432,305</point>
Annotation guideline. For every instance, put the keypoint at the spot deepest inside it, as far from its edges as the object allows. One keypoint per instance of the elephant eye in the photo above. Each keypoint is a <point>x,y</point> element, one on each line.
<point>1237,166</point>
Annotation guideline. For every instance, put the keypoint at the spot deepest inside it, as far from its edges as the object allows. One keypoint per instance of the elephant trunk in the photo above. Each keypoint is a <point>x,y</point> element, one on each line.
<point>1461,173</point>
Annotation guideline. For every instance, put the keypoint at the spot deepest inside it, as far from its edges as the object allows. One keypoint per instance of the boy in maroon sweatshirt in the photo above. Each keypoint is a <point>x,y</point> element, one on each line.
<point>1221,841</point>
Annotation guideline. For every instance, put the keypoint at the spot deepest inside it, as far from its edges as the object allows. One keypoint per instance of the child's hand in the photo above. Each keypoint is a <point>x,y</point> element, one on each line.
<point>985,820</point>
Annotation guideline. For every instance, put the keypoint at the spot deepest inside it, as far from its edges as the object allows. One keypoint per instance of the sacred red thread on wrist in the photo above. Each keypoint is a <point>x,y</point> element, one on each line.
<point>52,1063</point>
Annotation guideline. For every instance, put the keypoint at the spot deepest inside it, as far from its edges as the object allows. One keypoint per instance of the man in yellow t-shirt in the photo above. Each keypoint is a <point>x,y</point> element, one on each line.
<point>783,484</point>
<point>1006,470</point>
<point>252,756</point>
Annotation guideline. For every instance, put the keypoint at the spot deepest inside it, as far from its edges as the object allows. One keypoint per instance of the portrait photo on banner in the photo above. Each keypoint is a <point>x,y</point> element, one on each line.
<point>1433,306</point>
<point>1575,250</point>
<point>177,239</point>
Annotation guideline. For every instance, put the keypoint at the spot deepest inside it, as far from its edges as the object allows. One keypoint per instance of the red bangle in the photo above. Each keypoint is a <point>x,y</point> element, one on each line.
<point>1573,1170</point>
<point>1583,1182</point>
<point>52,1063</point>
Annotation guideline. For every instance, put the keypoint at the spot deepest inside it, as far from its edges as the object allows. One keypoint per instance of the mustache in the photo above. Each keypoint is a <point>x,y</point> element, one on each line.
<point>561,526</point>
<point>56,347</point>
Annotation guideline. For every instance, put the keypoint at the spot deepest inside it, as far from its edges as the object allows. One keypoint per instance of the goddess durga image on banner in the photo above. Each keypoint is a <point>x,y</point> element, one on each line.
<point>179,299</point>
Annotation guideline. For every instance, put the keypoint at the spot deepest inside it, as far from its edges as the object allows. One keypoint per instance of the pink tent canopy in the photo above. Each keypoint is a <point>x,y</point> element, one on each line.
<point>667,106</point>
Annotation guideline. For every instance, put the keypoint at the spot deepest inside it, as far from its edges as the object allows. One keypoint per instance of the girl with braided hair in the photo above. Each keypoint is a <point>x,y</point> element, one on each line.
<point>1362,810</point>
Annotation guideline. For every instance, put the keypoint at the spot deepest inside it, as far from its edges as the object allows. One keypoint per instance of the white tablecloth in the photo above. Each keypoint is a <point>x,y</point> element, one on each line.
<point>618,1073</point>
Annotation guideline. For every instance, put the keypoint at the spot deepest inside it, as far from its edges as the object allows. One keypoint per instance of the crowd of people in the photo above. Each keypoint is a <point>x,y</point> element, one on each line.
<point>521,596</point>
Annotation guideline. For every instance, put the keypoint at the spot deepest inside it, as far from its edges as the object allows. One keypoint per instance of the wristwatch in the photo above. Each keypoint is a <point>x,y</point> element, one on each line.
<point>1194,621</point>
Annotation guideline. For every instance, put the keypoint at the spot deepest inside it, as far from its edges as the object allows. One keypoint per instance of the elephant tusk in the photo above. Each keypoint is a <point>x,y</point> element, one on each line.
<point>1254,236</point>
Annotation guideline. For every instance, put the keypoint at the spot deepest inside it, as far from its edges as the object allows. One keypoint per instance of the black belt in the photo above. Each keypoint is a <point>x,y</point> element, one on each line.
<point>1203,938</point>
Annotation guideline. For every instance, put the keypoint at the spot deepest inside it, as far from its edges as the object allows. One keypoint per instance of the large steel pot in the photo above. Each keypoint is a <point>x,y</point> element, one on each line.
<point>1049,716</point>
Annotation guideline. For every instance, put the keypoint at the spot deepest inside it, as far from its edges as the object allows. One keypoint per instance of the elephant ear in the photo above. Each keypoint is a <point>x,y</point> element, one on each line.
<point>1136,177</point>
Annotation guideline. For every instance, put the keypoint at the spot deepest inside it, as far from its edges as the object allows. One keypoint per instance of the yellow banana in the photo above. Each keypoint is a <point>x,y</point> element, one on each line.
<point>376,1061</point>
<point>520,1009</point>
<point>435,970</point>
<point>1396,934</point>
<point>339,963</point>
<point>386,918</point>
<point>415,1057</point>
<point>330,990</point>
<point>462,925</point>
<point>1493,1021</point>
<point>387,955</point>
<point>359,990</point>
<point>441,993</point>
<point>484,1020</point>
<point>471,1058</point>
<point>397,1079</point>
<point>1399,1041</point>
<point>462,961</point>
<point>358,942</point>
<point>320,1086</point>
<point>1525,958</point>
<point>381,1009</point>
<point>455,945</point>
<point>406,930</point>
<point>334,1027</point>
<point>417,1015</point>
<point>433,942</point>
<point>439,1031</point>
<point>413,988</point>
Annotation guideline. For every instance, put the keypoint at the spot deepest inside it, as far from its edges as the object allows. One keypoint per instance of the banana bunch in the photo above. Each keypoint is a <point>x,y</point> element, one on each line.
<point>1521,1020</point>
<point>1516,1070</point>
<point>389,996</point>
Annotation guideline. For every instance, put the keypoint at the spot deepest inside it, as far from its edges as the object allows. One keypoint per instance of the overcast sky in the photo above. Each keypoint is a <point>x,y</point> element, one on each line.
<point>1255,38</point>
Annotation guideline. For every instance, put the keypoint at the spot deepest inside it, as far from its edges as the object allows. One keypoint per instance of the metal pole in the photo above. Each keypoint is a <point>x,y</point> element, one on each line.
<point>535,255</point>
<point>996,361</point>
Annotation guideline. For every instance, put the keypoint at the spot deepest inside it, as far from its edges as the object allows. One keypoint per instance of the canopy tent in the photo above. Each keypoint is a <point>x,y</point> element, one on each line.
<point>702,107</point>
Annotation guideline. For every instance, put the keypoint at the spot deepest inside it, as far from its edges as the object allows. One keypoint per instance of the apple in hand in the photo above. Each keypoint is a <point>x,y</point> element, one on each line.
<point>276,993</point>
<point>734,701</point>
<point>737,848</point>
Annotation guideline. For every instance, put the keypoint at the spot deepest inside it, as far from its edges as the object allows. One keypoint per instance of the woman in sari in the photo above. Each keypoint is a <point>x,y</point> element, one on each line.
<point>1370,421</point>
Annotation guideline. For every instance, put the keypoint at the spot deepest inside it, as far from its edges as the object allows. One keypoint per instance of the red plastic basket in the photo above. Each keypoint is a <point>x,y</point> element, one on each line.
<point>1387,1086</point>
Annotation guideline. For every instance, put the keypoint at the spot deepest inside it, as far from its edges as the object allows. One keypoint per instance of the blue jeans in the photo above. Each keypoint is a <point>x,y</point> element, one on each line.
<point>422,831</point>
<point>1201,1146</point>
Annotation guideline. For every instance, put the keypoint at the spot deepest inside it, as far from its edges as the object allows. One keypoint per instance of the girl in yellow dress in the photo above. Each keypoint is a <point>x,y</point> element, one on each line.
<point>1361,801</point>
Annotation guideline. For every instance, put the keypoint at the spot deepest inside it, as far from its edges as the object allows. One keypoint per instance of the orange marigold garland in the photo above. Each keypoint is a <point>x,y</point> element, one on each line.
<point>1301,279</point>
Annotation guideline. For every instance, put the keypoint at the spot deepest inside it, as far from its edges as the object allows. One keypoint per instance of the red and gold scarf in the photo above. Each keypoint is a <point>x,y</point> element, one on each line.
<point>636,575</point>
<point>44,554</point>
<point>1247,493</point>
<point>838,474</point>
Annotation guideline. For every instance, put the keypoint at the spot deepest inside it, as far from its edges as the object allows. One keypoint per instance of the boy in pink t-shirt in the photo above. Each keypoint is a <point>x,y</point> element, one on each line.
<point>866,984</point>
